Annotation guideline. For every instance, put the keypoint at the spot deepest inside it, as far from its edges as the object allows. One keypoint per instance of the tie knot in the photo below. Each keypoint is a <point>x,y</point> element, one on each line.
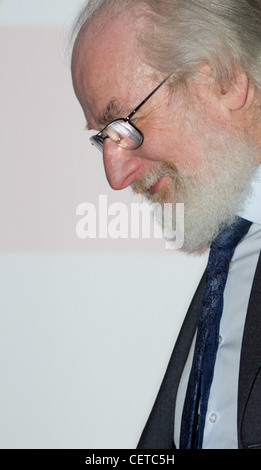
<point>231,236</point>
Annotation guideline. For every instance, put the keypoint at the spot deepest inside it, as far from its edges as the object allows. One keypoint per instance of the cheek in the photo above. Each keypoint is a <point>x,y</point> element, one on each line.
<point>188,155</point>
<point>184,141</point>
<point>175,138</point>
<point>180,149</point>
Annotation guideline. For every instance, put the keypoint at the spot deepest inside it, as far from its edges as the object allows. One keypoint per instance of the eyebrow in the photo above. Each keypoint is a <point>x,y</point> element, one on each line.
<point>112,112</point>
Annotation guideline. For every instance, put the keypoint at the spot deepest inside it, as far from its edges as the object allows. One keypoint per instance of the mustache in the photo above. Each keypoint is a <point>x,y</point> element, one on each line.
<point>144,184</point>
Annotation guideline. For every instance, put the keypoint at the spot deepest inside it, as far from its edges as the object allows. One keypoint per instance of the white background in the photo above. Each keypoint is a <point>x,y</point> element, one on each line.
<point>86,326</point>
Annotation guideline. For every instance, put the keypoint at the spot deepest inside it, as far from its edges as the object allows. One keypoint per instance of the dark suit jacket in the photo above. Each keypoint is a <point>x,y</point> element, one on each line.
<point>158,432</point>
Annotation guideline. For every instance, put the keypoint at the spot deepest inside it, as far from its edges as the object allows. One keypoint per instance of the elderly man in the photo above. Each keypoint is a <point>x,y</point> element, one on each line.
<point>173,90</point>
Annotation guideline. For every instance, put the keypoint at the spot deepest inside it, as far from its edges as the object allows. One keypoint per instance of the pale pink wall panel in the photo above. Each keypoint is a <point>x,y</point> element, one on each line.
<point>47,165</point>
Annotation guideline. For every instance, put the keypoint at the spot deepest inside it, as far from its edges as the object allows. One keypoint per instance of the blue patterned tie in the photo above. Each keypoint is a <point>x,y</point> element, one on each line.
<point>202,371</point>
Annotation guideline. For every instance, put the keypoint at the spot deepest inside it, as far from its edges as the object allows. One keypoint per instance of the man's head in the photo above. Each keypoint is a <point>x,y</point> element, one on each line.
<point>201,128</point>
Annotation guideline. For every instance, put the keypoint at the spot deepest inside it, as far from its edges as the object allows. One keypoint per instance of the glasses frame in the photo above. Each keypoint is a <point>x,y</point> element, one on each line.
<point>98,139</point>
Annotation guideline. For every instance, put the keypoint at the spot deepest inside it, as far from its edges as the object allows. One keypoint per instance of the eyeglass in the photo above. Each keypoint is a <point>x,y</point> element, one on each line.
<point>122,131</point>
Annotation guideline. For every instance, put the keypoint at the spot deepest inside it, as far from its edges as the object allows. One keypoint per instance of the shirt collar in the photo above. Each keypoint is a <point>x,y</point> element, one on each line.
<point>252,208</point>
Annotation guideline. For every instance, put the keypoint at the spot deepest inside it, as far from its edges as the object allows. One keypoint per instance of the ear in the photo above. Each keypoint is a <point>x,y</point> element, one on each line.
<point>235,94</point>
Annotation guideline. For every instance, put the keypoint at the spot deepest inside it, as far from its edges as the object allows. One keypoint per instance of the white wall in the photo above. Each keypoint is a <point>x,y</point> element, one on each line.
<point>86,326</point>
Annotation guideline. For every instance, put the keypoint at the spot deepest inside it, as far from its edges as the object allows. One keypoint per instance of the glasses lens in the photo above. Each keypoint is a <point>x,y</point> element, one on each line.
<point>124,134</point>
<point>97,141</point>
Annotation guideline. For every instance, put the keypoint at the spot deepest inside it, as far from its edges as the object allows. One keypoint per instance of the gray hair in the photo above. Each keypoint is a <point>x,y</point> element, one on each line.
<point>181,35</point>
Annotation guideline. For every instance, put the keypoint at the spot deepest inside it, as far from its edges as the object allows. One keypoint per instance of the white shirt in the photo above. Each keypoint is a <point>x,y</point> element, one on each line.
<point>221,419</point>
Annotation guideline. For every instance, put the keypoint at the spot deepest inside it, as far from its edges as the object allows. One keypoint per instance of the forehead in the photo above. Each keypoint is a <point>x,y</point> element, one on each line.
<point>108,74</point>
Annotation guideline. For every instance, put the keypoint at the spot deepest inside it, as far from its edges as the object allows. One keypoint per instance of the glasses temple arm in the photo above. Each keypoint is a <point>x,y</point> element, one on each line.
<point>147,97</point>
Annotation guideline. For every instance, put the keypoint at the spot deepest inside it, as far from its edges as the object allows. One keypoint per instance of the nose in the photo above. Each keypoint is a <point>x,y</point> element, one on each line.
<point>121,165</point>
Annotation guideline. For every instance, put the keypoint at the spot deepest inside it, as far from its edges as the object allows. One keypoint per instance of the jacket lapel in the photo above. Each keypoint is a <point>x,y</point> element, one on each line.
<point>249,394</point>
<point>159,430</point>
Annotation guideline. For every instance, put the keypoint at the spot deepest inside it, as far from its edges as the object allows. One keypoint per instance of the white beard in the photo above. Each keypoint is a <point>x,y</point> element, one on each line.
<point>213,196</point>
